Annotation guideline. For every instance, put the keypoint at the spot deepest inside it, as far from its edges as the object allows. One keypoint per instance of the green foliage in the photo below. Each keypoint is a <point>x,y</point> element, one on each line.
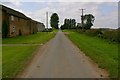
<point>69,24</point>
<point>54,20</point>
<point>113,35</point>
<point>100,50</point>
<point>48,30</point>
<point>79,26</point>
<point>89,18</point>
<point>110,35</point>
<point>5,28</point>
<point>93,32</point>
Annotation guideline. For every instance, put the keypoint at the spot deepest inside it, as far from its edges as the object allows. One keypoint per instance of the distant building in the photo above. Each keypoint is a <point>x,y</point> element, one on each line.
<point>15,23</point>
<point>79,26</point>
<point>40,26</point>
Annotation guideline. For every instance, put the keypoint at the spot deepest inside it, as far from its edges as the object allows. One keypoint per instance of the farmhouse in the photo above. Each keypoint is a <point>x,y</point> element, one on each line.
<point>15,23</point>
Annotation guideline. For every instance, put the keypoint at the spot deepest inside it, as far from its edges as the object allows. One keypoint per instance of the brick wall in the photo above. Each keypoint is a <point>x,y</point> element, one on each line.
<point>19,24</point>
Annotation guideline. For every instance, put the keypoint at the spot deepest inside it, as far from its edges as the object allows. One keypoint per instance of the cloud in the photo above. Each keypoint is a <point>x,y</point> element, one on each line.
<point>89,1</point>
<point>109,21</point>
<point>15,2</point>
<point>13,6</point>
<point>71,10</point>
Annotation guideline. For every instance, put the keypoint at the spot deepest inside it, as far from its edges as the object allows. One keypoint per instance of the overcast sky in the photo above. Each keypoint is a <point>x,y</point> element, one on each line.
<point>106,13</point>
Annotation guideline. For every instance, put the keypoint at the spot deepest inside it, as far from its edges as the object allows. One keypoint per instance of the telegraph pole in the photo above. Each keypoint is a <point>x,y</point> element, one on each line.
<point>82,22</point>
<point>47,20</point>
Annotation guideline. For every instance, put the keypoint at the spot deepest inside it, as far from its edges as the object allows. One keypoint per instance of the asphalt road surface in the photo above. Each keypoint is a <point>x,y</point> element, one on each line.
<point>60,58</point>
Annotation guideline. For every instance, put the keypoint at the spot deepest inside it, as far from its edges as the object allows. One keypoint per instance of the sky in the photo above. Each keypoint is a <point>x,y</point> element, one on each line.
<point>106,13</point>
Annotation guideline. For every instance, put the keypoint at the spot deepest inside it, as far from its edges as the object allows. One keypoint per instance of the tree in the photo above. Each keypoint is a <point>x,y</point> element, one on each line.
<point>69,24</point>
<point>88,21</point>
<point>73,24</point>
<point>54,20</point>
<point>65,26</point>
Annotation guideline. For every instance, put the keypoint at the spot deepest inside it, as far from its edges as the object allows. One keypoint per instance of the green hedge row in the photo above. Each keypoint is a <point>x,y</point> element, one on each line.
<point>111,35</point>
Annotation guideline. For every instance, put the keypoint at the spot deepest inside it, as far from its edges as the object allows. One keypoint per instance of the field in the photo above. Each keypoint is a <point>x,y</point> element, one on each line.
<point>15,58</point>
<point>104,53</point>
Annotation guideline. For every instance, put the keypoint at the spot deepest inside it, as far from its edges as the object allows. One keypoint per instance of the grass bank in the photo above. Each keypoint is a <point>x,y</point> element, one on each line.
<point>40,37</point>
<point>105,54</point>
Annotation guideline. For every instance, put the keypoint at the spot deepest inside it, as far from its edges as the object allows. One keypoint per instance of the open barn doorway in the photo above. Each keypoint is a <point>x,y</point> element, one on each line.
<point>20,33</point>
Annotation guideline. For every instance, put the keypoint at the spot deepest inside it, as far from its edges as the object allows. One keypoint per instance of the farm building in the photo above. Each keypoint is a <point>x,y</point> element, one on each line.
<point>15,23</point>
<point>40,27</point>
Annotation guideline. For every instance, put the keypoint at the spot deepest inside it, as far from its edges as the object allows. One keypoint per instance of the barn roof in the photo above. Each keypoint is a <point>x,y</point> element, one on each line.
<point>13,12</point>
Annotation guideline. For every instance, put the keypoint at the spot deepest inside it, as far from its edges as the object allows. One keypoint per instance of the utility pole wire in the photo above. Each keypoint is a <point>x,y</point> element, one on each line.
<point>82,18</point>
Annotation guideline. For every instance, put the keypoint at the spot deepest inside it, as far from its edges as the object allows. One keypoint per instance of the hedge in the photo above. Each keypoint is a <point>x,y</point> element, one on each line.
<point>111,35</point>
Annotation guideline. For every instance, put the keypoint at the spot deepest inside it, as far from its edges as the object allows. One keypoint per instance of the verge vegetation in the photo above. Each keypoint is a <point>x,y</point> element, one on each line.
<point>40,37</point>
<point>104,53</point>
<point>15,58</point>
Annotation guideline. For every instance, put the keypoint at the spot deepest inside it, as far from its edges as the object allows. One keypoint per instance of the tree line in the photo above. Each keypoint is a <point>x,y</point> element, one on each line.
<point>69,24</point>
<point>88,20</point>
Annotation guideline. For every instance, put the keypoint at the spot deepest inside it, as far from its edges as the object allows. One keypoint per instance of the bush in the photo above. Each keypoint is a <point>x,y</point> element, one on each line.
<point>48,30</point>
<point>81,31</point>
<point>93,32</point>
<point>112,35</point>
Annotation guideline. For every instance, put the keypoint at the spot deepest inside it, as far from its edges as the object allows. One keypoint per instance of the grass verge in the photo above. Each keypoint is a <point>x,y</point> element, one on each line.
<point>105,54</point>
<point>40,37</point>
<point>14,59</point>
<point>0,62</point>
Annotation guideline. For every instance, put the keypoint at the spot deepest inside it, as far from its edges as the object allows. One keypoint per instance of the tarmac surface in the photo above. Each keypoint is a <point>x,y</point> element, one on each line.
<point>60,58</point>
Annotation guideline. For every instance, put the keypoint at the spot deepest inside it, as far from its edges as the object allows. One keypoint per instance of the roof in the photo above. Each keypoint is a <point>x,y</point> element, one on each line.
<point>14,12</point>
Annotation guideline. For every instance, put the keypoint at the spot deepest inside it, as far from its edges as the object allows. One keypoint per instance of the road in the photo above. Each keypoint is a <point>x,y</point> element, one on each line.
<point>60,58</point>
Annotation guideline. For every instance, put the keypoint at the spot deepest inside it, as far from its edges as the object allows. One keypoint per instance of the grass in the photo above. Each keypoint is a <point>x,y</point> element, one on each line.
<point>105,54</point>
<point>40,37</point>
<point>0,62</point>
<point>14,59</point>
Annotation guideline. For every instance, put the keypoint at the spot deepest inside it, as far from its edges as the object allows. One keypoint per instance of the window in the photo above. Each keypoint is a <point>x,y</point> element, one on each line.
<point>13,30</point>
<point>12,18</point>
